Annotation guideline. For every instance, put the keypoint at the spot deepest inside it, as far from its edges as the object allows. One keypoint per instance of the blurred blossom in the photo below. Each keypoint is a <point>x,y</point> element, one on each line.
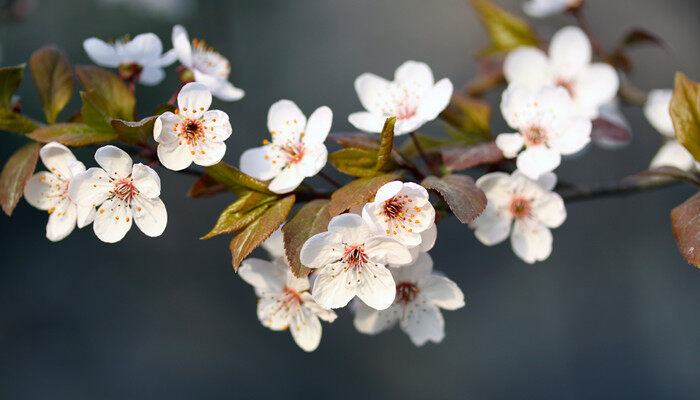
<point>166,9</point>
<point>545,8</point>
<point>671,153</point>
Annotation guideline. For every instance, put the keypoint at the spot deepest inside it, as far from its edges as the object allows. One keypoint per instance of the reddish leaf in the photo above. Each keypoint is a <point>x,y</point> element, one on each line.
<point>458,158</point>
<point>460,192</point>
<point>71,134</point>
<point>134,132</point>
<point>311,219</point>
<point>235,180</point>
<point>356,140</point>
<point>609,132</point>
<point>358,191</point>
<point>205,186</point>
<point>671,172</point>
<point>15,174</point>
<point>241,213</point>
<point>685,221</point>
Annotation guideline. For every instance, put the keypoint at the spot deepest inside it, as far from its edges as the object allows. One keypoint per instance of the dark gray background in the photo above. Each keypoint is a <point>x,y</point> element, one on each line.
<point>613,313</point>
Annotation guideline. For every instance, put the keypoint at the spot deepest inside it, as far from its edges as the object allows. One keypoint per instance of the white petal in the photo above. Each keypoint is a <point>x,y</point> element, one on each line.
<point>322,313</point>
<point>150,215</point>
<point>286,120</point>
<point>314,160</point>
<point>496,186</point>
<point>181,44</point>
<point>673,154</point>
<point>144,48</point>
<point>536,160</point>
<point>115,161</point>
<point>371,90</point>
<point>574,135</point>
<point>595,86</point>
<point>370,321</point>
<point>90,188</point>
<point>510,144</point>
<point>151,76</point>
<point>549,209</point>
<point>428,238</point>
<point>547,181</point>
<point>57,157</point>
<point>306,329</point>
<point>208,153</point>
<point>441,291</point>
<point>264,276</point>
<point>388,190</point>
<point>531,241</point>
<point>491,227</point>
<point>219,121</point>
<point>42,190</point>
<point>421,267</point>
<point>319,125</point>
<point>321,249</point>
<point>423,323</point>
<point>527,66</point>
<point>274,245</point>
<point>545,8</point>
<point>270,315</point>
<point>165,128</point>
<point>287,180</point>
<point>86,214</point>
<point>101,53</point>
<point>332,289</point>
<point>376,287</point>
<point>174,156</point>
<point>514,106</point>
<point>657,112</point>
<point>352,228</point>
<point>61,222</point>
<point>366,121</point>
<point>112,221</point>
<point>384,250</point>
<point>435,100</point>
<point>570,51</point>
<point>193,100</point>
<point>254,163</point>
<point>223,90</point>
<point>146,180</point>
<point>167,58</point>
<point>415,74</point>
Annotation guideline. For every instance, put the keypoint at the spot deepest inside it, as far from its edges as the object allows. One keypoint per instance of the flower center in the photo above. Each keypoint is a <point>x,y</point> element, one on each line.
<point>404,111</point>
<point>191,131</point>
<point>291,296</point>
<point>406,292</point>
<point>294,152</point>
<point>535,135</point>
<point>520,207</point>
<point>130,72</point>
<point>124,189</point>
<point>355,256</point>
<point>566,84</point>
<point>393,208</point>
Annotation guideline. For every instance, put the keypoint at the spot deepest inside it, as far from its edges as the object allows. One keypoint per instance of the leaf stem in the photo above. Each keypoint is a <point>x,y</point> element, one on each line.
<point>583,23</point>
<point>423,155</point>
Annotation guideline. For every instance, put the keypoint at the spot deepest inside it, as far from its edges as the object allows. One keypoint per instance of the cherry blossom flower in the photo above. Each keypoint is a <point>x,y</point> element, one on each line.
<point>48,190</point>
<point>413,98</point>
<point>672,153</point>
<point>545,8</point>
<point>401,211</point>
<point>296,151</point>
<point>522,208</point>
<point>208,67</point>
<point>193,133</point>
<point>351,261</point>
<point>568,65</point>
<point>420,293</point>
<point>274,245</point>
<point>140,59</point>
<point>124,193</point>
<point>547,128</point>
<point>285,301</point>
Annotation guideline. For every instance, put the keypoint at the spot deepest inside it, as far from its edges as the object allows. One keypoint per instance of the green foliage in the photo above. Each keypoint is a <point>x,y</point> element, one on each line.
<point>460,192</point>
<point>134,132</point>
<point>10,78</point>
<point>685,113</point>
<point>685,221</point>
<point>241,213</point>
<point>386,146</point>
<point>16,173</point>
<point>355,162</point>
<point>15,122</point>
<point>53,79</point>
<point>235,180</point>
<point>364,157</point>
<point>671,172</point>
<point>72,134</point>
<point>112,90</point>
<point>358,191</point>
<point>311,219</point>
<point>469,119</point>
<point>506,31</point>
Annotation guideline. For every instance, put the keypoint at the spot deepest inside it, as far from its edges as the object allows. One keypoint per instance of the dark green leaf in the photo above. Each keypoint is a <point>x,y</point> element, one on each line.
<point>53,79</point>
<point>15,174</point>
<point>685,113</point>
<point>358,191</point>
<point>255,233</point>
<point>386,146</point>
<point>205,186</point>
<point>241,213</point>
<point>96,111</point>
<point>311,219</point>
<point>134,132</point>
<point>355,162</point>
<point>506,31</point>
<point>10,77</point>
<point>72,134</point>
<point>15,122</point>
<point>460,192</point>
<point>110,87</point>
<point>685,221</point>
<point>235,180</point>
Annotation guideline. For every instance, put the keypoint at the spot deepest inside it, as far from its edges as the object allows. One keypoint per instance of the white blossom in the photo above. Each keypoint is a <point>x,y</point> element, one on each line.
<point>413,98</point>
<point>284,301</point>
<point>401,211</point>
<point>193,133</point>
<point>521,208</point>
<point>351,261</point>
<point>671,153</point>
<point>124,193</point>
<point>209,67</point>
<point>568,65</point>
<point>296,150</point>
<point>547,128</point>
<point>545,8</point>
<point>140,58</point>
<point>48,190</point>
<point>274,245</point>
<point>420,293</point>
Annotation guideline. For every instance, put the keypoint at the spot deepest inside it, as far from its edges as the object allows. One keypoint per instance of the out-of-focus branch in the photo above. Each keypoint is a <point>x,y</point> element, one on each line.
<point>624,187</point>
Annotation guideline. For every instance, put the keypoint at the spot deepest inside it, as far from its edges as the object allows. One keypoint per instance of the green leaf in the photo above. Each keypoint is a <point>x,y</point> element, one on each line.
<point>134,132</point>
<point>386,146</point>
<point>355,162</point>
<point>358,191</point>
<point>685,222</point>
<point>72,134</point>
<point>241,213</point>
<point>685,113</point>
<point>110,87</point>
<point>15,122</point>
<point>15,174</point>
<point>205,186</point>
<point>96,111</point>
<point>311,219</point>
<point>235,180</point>
<point>53,79</point>
<point>506,31</point>
<point>10,77</point>
<point>355,140</point>
<point>255,233</point>
<point>470,117</point>
<point>460,192</point>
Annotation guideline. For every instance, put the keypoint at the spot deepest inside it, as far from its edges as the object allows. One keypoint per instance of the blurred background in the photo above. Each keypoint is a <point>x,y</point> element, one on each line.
<point>613,313</point>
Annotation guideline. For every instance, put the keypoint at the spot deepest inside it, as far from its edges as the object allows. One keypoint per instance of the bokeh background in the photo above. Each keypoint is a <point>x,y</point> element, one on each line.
<point>613,313</point>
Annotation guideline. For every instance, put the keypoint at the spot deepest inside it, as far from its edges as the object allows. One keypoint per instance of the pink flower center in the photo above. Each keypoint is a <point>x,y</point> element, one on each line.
<point>520,207</point>
<point>294,152</point>
<point>354,256</point>
<point>292,297</point>
<point>191,131</point>
<point>406,292</point>
<point>393,208</point>
<point>566,84</point>
<point>535,135</point>
<point>404,111</point>
<point>124,189</point>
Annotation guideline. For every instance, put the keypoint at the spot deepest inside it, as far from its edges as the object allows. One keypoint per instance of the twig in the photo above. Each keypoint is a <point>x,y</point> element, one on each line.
<point>329,179</point>
<point>423,155</point>
<point>582,21</point>
<point>624,187</point>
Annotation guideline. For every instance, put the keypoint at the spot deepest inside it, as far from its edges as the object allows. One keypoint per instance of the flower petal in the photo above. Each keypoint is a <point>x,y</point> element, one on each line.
<point>491,227</point>
<point>219,121</point>
<point>174,156</point>
<point>287,180</point>
<point>91,188</point>
<point>101,53</point>
<point>545,8</point>
<point>656,109</point>
<point>549,209</point>
<point>86,214</point>
<point>423,323</point>
<point>527,66</point>
<point>673,154</point>
<point>352,228</point>
<point>547,181</point>
<point>510,144</point>
<point>415,74</point>
<point>332,289</point>
<point>146,180</point>
<point>366,121</point>
<point>112,221</point>
<point>222,89</point>
<point>384,250</point>
<point>151,76</point>
<point>514,106</point>
<point>42,191</point>
<point>115,161</point>
<point>442,292</point>
<point>61,222</point>
<point>435,100</point>
<point>321,249</point>
<point>371,90</point>
<point>165,129</point>
<point>572,136</point>
<point>322,313</point>
<point>376,286</point>
<point>286,120</point>
<point>193,100</point>
<point>531,241</point>
<point>57,157</point>
<point>257,162</point>
<point>595,86</point>
<point>150,215</point>
<point>143,49</point>
<point>370,321</point>
<point>536,160</point>
<point>208,152</point>
<point>319,125</point>
<point>264,276</point>
<point>181,45</point>
<point>569,51</point>
<point>306,329</point>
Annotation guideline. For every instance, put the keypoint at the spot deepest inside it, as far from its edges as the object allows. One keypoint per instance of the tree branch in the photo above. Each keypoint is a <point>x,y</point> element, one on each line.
<point>624,187</point>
